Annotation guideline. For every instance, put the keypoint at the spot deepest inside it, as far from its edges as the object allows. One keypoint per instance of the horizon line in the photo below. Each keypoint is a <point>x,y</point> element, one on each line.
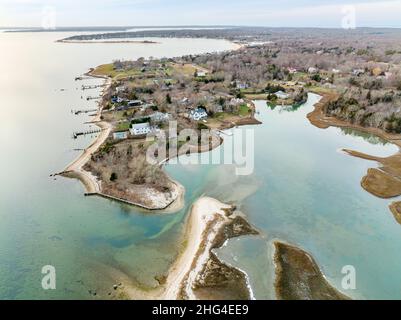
<point>195,26</point>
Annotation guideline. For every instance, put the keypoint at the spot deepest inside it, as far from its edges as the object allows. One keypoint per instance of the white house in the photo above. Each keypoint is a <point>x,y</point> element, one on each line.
<point>358,72</point>
<point>120,135</point>
<point>200,73</point>
<point>292,70</point>
<point>160,116</point>
<point>236,101</point>
<point>198,114</point>
<point>140,129</point>
<point>184,100</point>
<point>241,85</point>
<point>121,89</point>
<point>282,95</point>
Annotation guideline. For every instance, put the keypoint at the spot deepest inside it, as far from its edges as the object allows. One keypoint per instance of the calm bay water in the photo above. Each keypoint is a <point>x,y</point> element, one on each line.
<point>303,190</point>
<point>45,221</point>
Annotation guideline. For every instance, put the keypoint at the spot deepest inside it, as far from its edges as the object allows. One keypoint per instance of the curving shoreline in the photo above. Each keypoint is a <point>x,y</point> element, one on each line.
<point>91,183</point>
<point>298,276</point>
<point>202,225</point>
<point>75,168</point>
<point>108,42</point>
<point>205,228</point>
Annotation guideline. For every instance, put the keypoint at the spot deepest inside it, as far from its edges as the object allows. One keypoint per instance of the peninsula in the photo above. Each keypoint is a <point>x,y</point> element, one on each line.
<point>214,92</point>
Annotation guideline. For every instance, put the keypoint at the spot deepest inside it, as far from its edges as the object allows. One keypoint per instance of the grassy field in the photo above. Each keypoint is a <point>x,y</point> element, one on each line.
<point>175,69</point>
<point>123,126</point>
<point>260,96</point>
<point>319,90</point>
<point>108,70</point>
<point>244,110</point>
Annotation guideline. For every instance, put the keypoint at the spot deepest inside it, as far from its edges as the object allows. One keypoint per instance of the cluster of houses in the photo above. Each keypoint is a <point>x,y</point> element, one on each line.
<point>376,72</point>
<point>143,128</point>
<point>125,104</point>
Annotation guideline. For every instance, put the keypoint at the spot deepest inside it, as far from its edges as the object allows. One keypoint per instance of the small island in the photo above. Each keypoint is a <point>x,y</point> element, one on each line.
<point>298,277</point>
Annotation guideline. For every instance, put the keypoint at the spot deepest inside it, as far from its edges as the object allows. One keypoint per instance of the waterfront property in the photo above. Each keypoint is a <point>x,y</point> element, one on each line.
<point>140,129</point>
<point>282,95</point>
<point>236,101</point>
<point>198,114</point>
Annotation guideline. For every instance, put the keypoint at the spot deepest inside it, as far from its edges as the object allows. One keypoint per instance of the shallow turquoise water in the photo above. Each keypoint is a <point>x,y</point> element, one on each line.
<point>302,190</point>
<point>45,221</point>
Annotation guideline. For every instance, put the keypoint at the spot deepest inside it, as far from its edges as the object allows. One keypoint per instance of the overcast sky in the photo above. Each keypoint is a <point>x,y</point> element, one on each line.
<point>275,13</point>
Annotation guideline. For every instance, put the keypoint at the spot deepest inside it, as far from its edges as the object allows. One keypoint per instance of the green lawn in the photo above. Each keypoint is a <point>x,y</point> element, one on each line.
<point>108,70</point>
<point>123,126</point>
<point>220,115</point>
<point>244,110</point>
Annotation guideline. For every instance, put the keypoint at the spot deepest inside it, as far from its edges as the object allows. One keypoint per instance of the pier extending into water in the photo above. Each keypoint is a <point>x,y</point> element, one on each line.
<point>77,112</point>
<point>93,98</point>
<point>88,87</point>
<point>75,135</point>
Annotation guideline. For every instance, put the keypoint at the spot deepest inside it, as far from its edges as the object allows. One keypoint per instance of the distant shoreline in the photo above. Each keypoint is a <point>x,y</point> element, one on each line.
<point>108,41</point>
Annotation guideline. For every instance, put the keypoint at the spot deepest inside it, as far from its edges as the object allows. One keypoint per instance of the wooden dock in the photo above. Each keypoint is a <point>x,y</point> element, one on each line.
<point>75,135</point>
<point>93,98</point>
<point>88,87</point>
<point>78,112</point>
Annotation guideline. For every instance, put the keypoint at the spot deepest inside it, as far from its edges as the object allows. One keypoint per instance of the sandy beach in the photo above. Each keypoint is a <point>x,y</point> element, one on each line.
<point>198,235</point>
<point>92,184</point>
<point>204,222</point>
<point>75,169</point>
<point>204,225</point>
